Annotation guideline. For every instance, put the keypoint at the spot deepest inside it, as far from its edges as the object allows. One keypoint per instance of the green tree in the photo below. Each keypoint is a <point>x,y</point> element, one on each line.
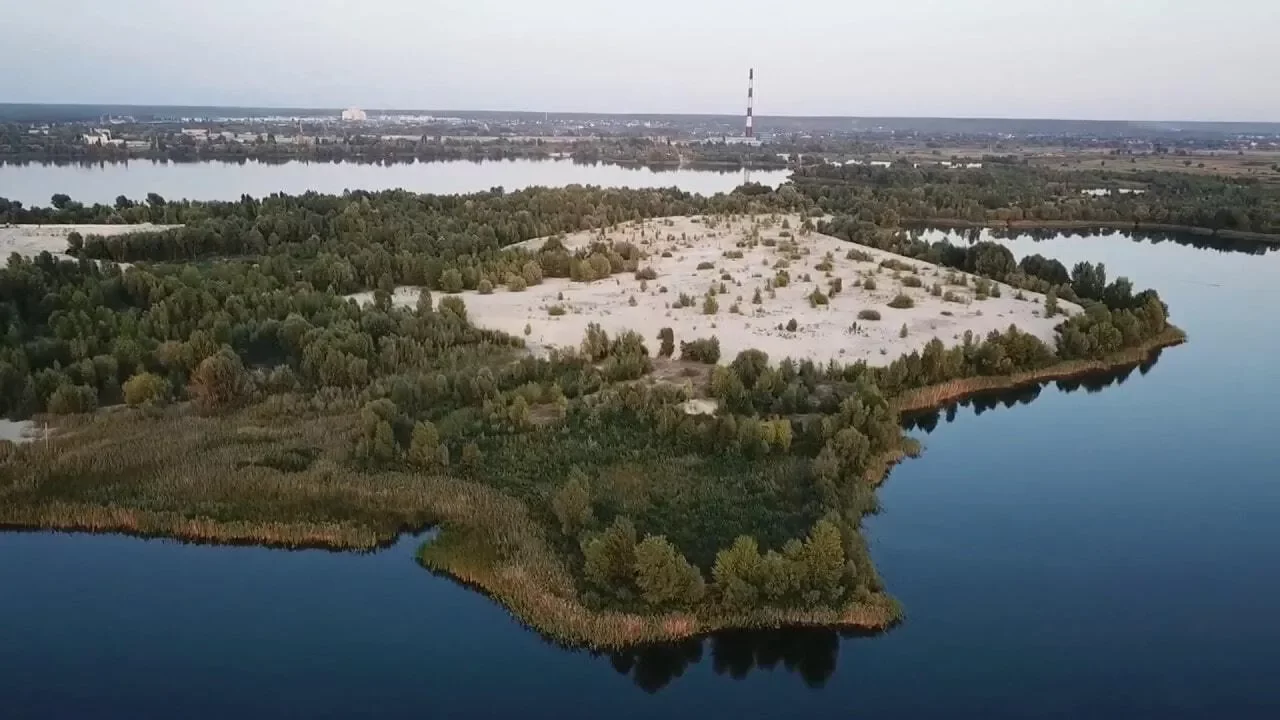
<point>571,503</point>
<point>824,565</point>
<point>424,445</point>
<point>734,574</point>
<point>219,381</point>
<point>145,389</point>
<point>1051,303</point>
<point>609,558</point>
<point>532,273</point>
<point>663,575</point>
<point>451,281</point>
<point>68,399</point>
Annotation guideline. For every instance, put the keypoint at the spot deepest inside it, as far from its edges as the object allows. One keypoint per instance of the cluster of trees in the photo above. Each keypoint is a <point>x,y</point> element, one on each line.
<point>804,573</point>
<point>1008,193</point>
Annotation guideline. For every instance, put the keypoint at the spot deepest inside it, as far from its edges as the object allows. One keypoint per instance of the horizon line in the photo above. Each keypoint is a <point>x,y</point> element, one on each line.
<point>400,110</point>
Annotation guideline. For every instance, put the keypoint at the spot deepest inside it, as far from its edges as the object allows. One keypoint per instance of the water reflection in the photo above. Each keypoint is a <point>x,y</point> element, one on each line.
<point>927,421</point>
<point>810,653</point>
<point>1187,239</point>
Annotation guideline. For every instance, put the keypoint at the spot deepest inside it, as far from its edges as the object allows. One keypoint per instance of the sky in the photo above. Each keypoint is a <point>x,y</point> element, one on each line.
<point>1086,59</point>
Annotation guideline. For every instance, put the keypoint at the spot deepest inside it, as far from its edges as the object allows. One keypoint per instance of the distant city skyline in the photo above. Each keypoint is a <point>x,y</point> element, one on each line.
<point>1175,60</point>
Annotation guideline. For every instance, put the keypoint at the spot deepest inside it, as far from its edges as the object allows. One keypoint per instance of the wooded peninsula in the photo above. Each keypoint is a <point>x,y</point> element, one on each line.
<point>213,381</point>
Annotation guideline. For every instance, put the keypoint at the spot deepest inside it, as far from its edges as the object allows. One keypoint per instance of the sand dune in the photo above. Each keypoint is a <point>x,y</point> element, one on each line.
<point>825,332</point>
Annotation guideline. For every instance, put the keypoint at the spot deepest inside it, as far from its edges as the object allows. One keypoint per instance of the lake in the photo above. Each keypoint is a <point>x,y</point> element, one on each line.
<point>1100,550</point>
<point>34,184</point>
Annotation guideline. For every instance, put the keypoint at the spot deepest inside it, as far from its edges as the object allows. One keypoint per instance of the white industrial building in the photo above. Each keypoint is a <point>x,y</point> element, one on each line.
<point>354,115</point>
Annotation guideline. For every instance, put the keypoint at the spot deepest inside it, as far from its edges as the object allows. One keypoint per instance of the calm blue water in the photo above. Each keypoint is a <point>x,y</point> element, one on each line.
<point>101,183</point>
<point>1102,554</point>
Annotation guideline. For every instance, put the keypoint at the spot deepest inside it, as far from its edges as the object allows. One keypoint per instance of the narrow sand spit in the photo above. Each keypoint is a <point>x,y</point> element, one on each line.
<point>31,240</point>
<point>823,332</point>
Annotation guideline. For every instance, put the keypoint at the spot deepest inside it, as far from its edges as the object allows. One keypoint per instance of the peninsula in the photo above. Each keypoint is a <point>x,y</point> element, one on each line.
<point>632,415</point>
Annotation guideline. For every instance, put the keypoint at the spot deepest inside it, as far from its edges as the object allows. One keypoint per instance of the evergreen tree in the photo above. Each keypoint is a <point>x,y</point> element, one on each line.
<point>665,578</point>
<point>609,559</point>
<point>735,572</point>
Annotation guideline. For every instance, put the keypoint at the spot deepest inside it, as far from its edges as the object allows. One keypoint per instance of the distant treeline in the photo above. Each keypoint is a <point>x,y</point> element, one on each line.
<point>1012,194</point>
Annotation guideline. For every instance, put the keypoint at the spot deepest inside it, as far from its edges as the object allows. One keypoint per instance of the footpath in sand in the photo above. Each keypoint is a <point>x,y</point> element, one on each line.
<point>823,332</point>
<point>31,240</point>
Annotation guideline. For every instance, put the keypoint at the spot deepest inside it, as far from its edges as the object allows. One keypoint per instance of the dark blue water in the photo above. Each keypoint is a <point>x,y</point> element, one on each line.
<point>1097,553</point>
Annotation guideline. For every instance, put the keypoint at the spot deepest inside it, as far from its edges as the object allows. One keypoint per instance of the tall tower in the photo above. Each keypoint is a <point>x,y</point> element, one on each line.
<point>751,86</point>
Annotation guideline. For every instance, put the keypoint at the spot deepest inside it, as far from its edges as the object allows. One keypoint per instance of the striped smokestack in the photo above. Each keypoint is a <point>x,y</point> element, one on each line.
<point>751,87</point>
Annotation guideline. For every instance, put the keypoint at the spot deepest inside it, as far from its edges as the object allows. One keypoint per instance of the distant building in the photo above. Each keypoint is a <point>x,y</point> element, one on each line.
<point>100,137</point>
<point>738,140</point>
<point>354,115</point>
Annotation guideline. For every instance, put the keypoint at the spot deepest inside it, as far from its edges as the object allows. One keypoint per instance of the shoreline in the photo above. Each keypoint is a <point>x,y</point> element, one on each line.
<point>531,597</point>
<point>1126,226</point>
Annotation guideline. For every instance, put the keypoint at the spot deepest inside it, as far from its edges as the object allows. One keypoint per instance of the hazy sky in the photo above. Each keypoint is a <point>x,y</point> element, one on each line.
<point>1103,59</point>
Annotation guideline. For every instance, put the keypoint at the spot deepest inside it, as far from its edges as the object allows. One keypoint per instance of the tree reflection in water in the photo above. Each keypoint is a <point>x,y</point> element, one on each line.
<point>927,421</point>
<point>810,653</point>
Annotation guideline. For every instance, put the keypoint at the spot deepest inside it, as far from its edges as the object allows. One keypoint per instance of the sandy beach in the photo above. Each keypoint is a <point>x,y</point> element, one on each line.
<point>823,332</point>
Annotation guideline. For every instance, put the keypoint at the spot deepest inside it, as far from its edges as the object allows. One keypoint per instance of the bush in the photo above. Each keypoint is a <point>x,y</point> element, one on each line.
<point>858,255</point>
<point>517,283</point>
<point>869,284</point>
<point>954,297</point>
<point>706,265</point>
<point>792,325</point>
<point>902,302</point>
<point>817,298</point>
<point>703,350</point>
<point>896,264</point>
<point>684,301</point>
<point>556,310</point>
<point>868,314</point>
<point>936,290</point>
<point>646,273</point>
<point>912,281</point>
<point>485,287</point>
<point>145,389</point>
<point>903,332</point>
<point>733,254</point>
<point>709,305</point>
<point>667,342</point>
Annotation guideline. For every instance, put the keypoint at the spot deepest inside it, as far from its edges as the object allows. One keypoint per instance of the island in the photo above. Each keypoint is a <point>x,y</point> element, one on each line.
<point>629,415</point>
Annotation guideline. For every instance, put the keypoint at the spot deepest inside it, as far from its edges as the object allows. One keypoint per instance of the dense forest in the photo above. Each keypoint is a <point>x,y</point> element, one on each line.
<point>998,193</point>
<point>231,334</point>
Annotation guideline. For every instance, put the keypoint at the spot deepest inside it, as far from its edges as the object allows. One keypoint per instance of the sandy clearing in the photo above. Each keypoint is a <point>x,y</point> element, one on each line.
<point>18,430</point>
<point>823,333</point>
<point>31,240</point>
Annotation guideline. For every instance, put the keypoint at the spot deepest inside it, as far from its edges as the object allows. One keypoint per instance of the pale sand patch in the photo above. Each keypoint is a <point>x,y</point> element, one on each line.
<point>31,240</point>
<point>18,430</point>
<point>824,333</point>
